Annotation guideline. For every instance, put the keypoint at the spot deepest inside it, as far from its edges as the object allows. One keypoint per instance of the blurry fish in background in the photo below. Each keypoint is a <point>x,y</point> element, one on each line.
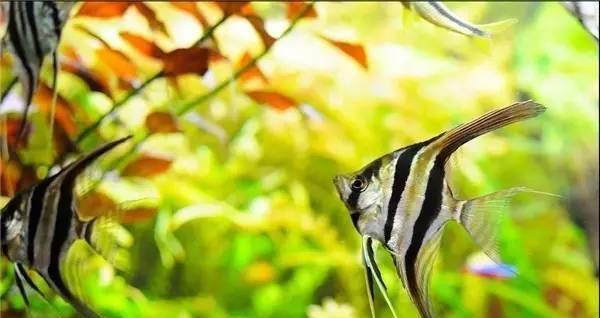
<point>39,225</point>
<point>481,265</point>
<point>586,13</point>
<point>403,200</point>
<point>438,14</point>
<point>33,32</point>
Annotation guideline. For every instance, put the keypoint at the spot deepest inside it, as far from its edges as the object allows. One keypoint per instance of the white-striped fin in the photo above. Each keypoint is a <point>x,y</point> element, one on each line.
<point>372,273</point>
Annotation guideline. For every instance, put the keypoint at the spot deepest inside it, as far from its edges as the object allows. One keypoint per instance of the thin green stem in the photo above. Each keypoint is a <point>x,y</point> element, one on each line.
<point>190,105</point>
<point>88,130</point>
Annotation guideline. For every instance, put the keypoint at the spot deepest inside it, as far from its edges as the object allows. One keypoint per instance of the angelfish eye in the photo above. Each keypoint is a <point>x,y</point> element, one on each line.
<point>359,183</point>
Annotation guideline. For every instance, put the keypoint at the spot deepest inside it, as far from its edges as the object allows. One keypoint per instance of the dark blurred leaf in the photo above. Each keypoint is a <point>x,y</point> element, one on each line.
<point>63,111</point>
<point>294,8</point>
<point>355,51</point>
<point>251,73</point>
<point>15,177</point>
<point>150,15</point>
<point>117,62</point>
<point>137,215</point>
<point>92,34</point>
<point>143,45</point>
<point>161,122</point>
<point>95,204</point>
<point>103,9</point>
<point>259,25</point>
<point>95,80</point>
<point>147,166</point>
<point>186,61</point>
<point>235,7</point>
<point>273,99</point>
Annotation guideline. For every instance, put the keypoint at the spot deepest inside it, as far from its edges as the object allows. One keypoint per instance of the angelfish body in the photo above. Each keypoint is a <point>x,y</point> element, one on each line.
<point>33,32</point>
<point>403,200</point>
<point>39,225</point>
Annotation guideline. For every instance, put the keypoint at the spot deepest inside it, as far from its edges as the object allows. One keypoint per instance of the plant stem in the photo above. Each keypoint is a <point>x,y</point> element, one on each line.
<point>91,128</point>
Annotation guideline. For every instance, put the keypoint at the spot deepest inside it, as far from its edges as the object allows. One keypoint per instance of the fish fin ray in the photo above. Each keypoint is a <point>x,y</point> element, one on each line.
<point>446,143</point>
<point>19,282</point>
<point>375,274</point>
<point>423,268</point>
<point>482,217</point>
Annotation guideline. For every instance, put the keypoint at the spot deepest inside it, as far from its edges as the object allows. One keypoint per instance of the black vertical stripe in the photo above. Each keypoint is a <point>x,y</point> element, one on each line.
<point>373,262</point>
<point>15,38</point>
<point>429,211</point>
<point>29,7</point>
<point>36,206</point>
<point>20,286</point>
<point>401,171</point>
<point>28,279</point>
<point>441,10</point>
<point>370,171</point>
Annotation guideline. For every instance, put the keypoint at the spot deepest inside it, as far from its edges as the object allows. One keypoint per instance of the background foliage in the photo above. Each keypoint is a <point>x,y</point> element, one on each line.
<point>228,198</point>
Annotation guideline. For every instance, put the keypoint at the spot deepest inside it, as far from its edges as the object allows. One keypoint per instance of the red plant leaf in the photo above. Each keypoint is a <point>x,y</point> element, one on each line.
<point>235,7</point>
<point>137,215</point>
<point>186,61</point>
<point>117,62</point>
<point>95,204</point>
<point>63,112</point>
<point>355,51</point>
<point>274,99</point>
<point>103,9</point>
<point>15,177</point>
<point>253,72</point>
<point>147,166</point>
<point>12,126</point>
<point>161,122</point>
<point>150,15</point>
<point>259,25</point>
<point>294,8</point>
<point>143,45</point>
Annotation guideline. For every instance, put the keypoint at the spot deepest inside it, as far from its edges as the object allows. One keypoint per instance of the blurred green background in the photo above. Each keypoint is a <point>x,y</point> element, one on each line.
<point>246,221</point>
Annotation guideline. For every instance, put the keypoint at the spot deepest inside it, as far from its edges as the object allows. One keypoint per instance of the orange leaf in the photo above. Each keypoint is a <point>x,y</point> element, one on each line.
<point>274,99</point>
<point>191,8</point>
<point>186,61</point>
<point>143,45</point>
<point>137,215</point>
<point>95,204</point>
<point>161,122</point>
<point>63,112</point>
<point>117,62</point>
<point>103,9</point>
<point>259,25</point>
<point>150,15</point>
<point>294,8</point>
<point>14,176</point>
<point>12,126</point>
<point>147,166</point>
<point>355,51</point>
<point>252,72</point>
<point>235,7</point>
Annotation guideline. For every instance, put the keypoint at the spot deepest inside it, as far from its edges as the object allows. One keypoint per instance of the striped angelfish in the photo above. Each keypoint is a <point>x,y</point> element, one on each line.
<point>40,224</point>
<point>32,33</point>
<point>438,14</point>
<point>402,200</point>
